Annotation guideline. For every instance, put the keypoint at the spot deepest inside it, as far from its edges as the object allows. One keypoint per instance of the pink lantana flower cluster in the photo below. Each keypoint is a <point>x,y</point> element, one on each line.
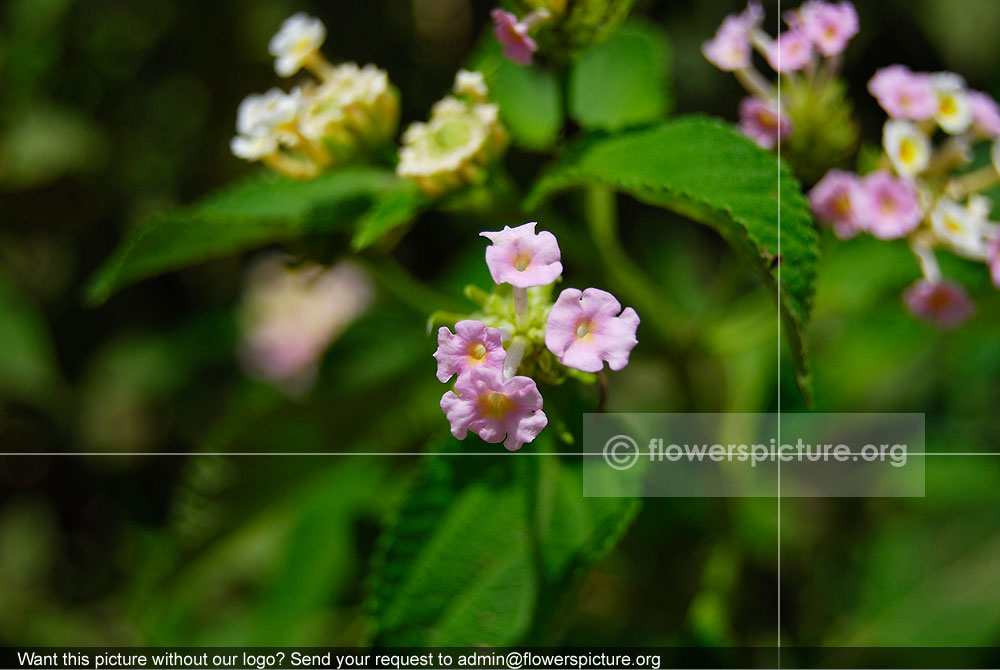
<point>520,334</point>
<point>817,34</point>
<point>922,190</point>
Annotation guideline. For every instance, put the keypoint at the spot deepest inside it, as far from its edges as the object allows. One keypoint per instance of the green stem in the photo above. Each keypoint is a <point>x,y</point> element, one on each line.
<point>602,220</point>
<point>397,282</point>
<point>521,308</point>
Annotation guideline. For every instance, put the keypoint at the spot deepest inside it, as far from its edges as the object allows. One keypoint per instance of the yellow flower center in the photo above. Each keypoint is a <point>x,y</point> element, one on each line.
<point>522,261</point>
<point>477,352</point>
<point>948,106</point>
<point>907,151</point>
<point>887,206</point>
<point>583,331</point>
<point>954,225</point>
<point>494,405</point>
<point>842,205</point>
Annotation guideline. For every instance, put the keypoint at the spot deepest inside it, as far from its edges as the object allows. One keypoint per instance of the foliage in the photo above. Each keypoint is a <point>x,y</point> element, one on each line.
<point>372,534</point>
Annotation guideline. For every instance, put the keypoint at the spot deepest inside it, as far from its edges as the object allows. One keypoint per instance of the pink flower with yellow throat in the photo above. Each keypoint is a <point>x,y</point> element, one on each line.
<point>584,329</point>
<point>473,345</point>
<point>523,258</point>
<point>495,409</point>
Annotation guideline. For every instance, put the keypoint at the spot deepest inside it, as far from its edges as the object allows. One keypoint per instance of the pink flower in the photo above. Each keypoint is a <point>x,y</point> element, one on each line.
<point>904,94</point>
<point>493,408</point>
<point>289,317</point>
<point>729,49</point>
<point>513,35</point>
<point>828,26</point>
<point>833,201</point>
<point>522,258</point>
<point>888,206</point>
<point>472,346</point>
<point>584,329</point>
<point>763,122</point>
<point>985,112</point>
<point>792,51</point>
<point>944,303</point>
<point>994,260</point>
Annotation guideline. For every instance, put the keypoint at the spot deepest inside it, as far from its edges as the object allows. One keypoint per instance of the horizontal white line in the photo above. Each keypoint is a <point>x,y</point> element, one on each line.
<point>706,458</point>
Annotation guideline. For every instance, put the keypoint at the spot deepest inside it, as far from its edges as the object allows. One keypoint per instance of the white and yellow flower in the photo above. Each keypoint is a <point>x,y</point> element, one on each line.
<point>954,113</point>
<point>353,104</point>
<point>961,228</point>
<point>253,147</point>
<point>297,43</point>
<point>455,146</point>
<point>908,148</point>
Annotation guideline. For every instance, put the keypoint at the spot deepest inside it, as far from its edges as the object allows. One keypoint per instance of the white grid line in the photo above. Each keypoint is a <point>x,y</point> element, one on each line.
<point>706,459</point>
<point>778,164</point>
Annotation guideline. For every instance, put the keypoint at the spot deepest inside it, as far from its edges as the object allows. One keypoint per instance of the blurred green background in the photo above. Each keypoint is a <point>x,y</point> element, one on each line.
<point>113,109</point>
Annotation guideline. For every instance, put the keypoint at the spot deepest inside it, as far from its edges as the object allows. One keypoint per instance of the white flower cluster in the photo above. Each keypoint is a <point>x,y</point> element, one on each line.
<point>320,123</point>
<point>463,137</point>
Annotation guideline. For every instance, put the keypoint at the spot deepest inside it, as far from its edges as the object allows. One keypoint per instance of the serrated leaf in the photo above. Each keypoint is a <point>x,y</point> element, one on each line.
<point>530,100</point>
<point>624,81</point>
<point>397,208</point>
<point>480,543</point>
<point>705,170</point>
<point>258,211</point>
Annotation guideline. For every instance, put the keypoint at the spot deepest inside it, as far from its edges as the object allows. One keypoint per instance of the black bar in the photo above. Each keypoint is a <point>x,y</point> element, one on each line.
<point>514,658</point>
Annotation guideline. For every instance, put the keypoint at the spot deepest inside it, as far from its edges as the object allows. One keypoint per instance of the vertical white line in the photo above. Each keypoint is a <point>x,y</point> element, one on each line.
<point>778,162</point>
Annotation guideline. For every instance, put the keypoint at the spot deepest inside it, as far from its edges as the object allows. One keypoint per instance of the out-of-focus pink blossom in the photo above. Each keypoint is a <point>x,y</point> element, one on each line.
<point>829,26</point>
<point>518,46</point>
<point>291,315</point>
<point>729,49</point>
<point>994,260</point>
<point>944,303</point>
<point>833,201</point>
<point>985,113</point>
<point>904,94</point>
<point>494,409</point>
<point>887,206</point>
<point>791,52</point>
<point>763,122</point>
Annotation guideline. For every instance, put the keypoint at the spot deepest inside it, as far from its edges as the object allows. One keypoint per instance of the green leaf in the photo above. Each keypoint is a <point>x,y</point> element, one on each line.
<point>530,101</point>
<point>28,368</point>
<point>482,546</point>
<point>624,81</point>
<point>395,209</point>
<point>258,211</point>
<point>925,586</point>
<point>705,170</point>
